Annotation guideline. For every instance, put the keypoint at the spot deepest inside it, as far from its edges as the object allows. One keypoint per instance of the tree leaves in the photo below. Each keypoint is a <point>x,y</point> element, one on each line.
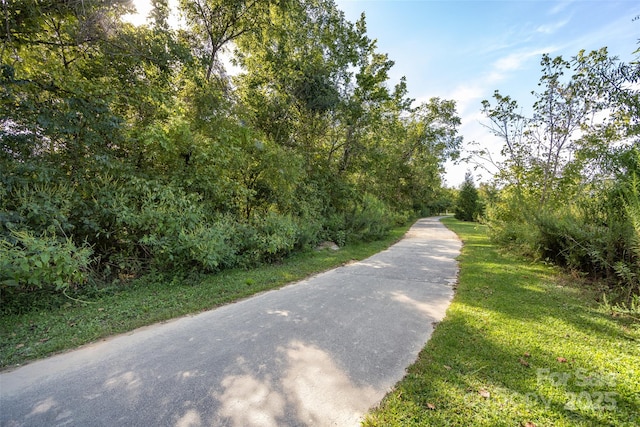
<point>167,161</point>
<point>467,205</point>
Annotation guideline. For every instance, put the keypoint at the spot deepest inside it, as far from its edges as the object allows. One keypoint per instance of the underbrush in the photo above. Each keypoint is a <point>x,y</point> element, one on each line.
<point>55,322</point>
<point>604,251</point>
<point>62,239</point>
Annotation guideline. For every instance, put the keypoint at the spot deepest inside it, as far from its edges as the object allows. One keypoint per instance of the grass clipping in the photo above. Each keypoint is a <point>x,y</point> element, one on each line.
<point>520,346</point>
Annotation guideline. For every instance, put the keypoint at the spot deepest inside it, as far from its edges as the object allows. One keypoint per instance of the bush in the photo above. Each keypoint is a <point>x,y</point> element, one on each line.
<point>335,228</point>
<point>208,246</point>
<point>595,240</point>
<point>41,262</point>
<point>266,239</point>
<point>369,220</point>
<point>309,232</point>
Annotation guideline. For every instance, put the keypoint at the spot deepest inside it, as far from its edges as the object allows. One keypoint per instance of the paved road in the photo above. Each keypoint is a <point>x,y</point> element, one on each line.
<point>319,352</point>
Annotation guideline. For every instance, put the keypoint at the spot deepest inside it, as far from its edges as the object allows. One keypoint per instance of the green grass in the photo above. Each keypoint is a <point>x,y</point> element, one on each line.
<point>521,345</point>
<point>65,323</point>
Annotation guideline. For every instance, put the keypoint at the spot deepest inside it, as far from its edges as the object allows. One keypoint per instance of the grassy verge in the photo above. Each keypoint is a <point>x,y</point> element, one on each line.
<point>521,345</point>
<point>152,299</point>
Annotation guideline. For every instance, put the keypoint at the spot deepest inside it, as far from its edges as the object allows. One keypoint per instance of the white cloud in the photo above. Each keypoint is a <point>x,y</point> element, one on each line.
<point>466,95</point>
<point>552,28</point>
<point>510,62</point>
<point>515,61</point>
<point>562,5</point>
<point>470,93</point>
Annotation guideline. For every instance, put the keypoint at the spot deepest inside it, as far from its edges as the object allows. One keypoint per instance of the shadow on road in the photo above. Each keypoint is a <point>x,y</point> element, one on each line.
<point>319,352</point>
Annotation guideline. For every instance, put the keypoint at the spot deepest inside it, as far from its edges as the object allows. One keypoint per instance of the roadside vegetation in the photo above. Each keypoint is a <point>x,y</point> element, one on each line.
<point>522,344</point>
<point>131,150</point>
<point>61,323</point>
<point>567,184</point>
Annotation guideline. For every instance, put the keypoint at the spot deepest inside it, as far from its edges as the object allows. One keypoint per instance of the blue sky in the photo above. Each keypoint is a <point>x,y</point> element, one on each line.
<point>464,50</point>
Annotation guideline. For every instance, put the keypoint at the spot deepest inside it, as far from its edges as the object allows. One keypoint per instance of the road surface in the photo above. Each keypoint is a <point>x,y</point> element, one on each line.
<point>319,352</point>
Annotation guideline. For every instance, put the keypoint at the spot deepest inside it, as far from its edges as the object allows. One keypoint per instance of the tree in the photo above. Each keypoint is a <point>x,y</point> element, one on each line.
<point>219,22</point>
<point>541,160</point>
<point>568,183</point>
<point>467,204</point>
<point>431,138</point>
<point>133,140</point>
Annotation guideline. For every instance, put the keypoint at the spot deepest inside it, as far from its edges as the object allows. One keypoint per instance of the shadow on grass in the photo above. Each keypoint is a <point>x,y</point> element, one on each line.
<point>470,379</point>
<point>517,347</point>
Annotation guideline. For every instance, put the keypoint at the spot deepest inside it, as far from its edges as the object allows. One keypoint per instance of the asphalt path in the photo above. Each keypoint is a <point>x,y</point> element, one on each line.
<point>319,352</point>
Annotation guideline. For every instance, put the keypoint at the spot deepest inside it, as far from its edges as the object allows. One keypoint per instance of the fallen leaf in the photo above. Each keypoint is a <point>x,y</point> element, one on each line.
<point>44,340</point>
<point>484,393</point>
<point>561,360</point>
<point>527,354</point>
<point>431,406</point>
<point>524,362</point>
<point>529,424</point>
<point>100,309</point>
<point>20,345</point>
<point>448,368</point>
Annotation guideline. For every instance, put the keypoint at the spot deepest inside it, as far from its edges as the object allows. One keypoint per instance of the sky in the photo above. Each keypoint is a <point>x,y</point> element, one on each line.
<point>465,50</point>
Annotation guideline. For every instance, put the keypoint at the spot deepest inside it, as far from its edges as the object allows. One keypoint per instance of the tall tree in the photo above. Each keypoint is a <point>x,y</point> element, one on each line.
<point>219,22</point>
<point>541,152</point>
<point>467,203</point>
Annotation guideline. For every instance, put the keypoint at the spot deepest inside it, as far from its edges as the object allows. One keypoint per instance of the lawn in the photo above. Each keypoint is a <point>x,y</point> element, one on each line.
<point>522,344</point>
<point>60,323</point>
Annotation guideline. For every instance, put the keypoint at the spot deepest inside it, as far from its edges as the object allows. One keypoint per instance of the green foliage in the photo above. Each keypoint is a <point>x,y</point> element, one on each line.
<point>596,238</point>
<point>135,142</point>
<point>275,237</point>
<point>443,202</point>
<point>369,220</point>
<point>468,203</point>
<point>161,226</point>
<point>569,187</point>
<point>207,246</point>
<point>37,203</point>
<point>30,262</point>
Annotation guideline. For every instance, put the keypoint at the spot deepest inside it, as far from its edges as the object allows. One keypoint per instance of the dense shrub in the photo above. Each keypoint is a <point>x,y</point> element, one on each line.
<point>468,207</point>
<point>369,219</point>
<point>206,246</point>
<point>276,236</point>
<point>596,235</point>
<point>30,261</point>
